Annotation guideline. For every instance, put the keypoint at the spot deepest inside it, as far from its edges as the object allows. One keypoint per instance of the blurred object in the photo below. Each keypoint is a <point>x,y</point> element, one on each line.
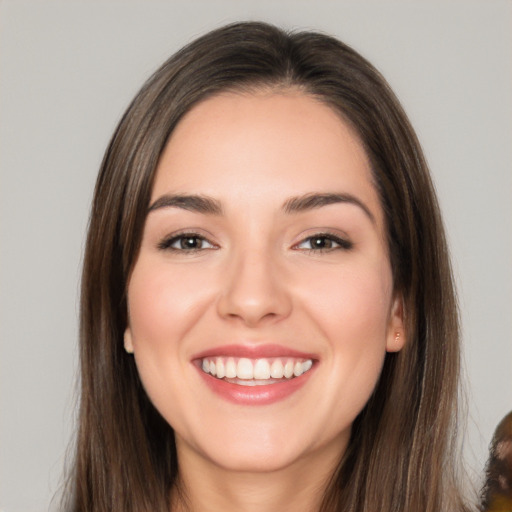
<point>497,491</point>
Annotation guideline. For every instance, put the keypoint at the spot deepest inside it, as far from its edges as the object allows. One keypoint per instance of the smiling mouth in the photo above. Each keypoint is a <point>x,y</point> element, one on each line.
<point>255,372</point>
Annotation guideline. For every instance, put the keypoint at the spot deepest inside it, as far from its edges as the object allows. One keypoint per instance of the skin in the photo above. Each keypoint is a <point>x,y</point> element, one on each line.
<point>255,279</point>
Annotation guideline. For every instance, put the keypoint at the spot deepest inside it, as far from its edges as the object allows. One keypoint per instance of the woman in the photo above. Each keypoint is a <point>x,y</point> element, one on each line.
<point>268,315</point>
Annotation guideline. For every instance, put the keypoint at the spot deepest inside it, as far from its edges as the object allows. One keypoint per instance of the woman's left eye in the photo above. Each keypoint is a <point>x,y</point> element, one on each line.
<point>323,242</point>
<point>188,242</point>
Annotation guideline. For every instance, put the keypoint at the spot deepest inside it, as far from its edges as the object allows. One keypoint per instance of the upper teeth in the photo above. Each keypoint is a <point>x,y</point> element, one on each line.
<point>260,369</point>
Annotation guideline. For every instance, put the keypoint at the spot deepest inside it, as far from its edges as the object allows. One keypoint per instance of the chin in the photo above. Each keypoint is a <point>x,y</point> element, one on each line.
<point>253,459</point>
<point>264,448</point>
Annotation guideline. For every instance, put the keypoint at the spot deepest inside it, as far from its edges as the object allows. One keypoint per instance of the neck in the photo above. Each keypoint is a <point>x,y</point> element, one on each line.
<point>299,487</point>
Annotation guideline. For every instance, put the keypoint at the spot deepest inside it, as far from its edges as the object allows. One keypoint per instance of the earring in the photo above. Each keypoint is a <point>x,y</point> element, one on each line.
<point>397,337</point>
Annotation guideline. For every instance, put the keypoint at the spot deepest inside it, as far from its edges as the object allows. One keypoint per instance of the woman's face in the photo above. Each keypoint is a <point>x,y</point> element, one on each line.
<point>264,263</point>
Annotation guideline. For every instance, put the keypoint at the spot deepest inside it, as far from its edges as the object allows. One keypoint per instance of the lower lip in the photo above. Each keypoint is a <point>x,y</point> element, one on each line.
<point>255,395</point>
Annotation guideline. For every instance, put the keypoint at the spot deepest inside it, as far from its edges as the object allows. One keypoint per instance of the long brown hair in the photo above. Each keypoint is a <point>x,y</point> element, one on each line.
<point>400,456</point>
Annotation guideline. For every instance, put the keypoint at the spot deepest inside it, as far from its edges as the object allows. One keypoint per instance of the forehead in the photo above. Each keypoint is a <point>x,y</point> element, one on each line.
<point>264,146</point>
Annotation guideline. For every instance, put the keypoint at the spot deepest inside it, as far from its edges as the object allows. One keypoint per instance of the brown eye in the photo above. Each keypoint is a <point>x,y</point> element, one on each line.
<point>187,242</point>
<point>324,242</point>
<point>321,242</point>
<point>190,242</point>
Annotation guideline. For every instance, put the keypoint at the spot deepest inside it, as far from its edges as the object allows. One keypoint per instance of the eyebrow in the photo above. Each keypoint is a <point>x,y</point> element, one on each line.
<point>314,200</point>
<point>193,203</point>
<point>299,204</point>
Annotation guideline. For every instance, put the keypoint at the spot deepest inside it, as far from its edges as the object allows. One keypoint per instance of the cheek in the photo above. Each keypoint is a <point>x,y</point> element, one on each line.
<point>163,307</point>
<point>352,311</point>
<point>164,304</point>
<point>351,302</point>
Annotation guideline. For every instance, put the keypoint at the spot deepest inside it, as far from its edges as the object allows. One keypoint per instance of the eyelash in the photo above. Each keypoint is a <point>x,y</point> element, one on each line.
<point>340,242</point>
<point>167,243</point>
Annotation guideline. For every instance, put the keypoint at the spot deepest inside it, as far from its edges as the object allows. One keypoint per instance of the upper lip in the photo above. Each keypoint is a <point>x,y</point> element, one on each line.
<point>253,351</point>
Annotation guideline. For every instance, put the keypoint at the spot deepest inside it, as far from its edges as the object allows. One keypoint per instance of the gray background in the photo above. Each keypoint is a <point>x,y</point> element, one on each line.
<point>68,70</point>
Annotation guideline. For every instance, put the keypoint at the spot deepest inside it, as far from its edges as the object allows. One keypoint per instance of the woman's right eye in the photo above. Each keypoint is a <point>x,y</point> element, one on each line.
<point>187,242</point>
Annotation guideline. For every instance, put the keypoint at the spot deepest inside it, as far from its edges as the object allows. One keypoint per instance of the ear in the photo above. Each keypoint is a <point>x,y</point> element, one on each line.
<point>396,332</point>
<point>128,344</point>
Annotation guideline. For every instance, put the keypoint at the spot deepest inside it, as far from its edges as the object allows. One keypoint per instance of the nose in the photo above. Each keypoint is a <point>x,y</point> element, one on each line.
<point>254,291</point>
